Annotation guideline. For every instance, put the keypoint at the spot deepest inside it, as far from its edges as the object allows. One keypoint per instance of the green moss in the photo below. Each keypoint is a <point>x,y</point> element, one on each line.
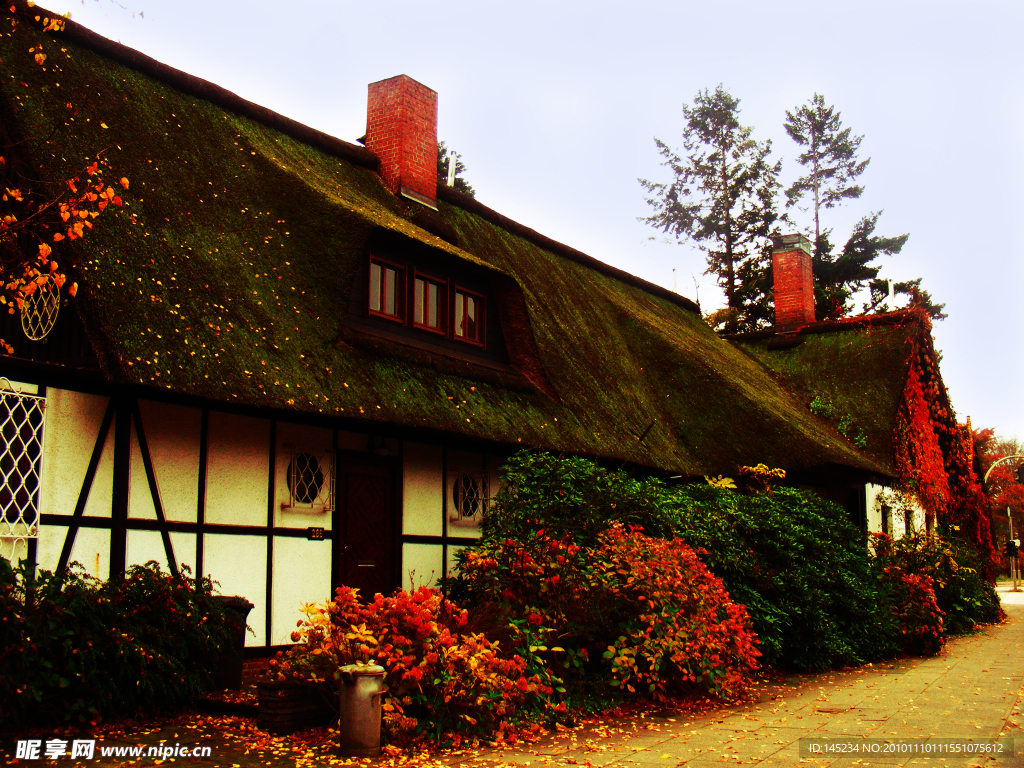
<point>861,372</point>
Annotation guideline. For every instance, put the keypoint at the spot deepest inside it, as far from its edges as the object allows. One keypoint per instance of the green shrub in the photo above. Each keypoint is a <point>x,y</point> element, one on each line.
<point>795,561</point>
<point>82,649</point>
<point>572,496</point>
<point>799,566</point>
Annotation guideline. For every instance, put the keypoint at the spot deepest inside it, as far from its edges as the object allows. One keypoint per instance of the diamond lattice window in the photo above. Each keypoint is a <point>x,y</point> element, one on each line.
<point>469,499</point>
<point>21,449</point>
<point>311,482</point>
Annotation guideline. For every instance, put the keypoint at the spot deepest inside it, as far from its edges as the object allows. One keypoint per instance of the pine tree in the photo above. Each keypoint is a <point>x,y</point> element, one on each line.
<point>444,161</point>
<point>837,278</point>
<point>722,199</point>
<point>830,158</point>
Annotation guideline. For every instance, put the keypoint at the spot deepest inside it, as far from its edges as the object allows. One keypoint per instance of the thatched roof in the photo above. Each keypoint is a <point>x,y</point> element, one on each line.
<point>855,368</point>
<point>229,272</point>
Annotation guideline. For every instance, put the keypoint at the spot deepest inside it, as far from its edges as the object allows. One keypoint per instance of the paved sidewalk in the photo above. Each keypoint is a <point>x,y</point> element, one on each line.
<point>973,689</point>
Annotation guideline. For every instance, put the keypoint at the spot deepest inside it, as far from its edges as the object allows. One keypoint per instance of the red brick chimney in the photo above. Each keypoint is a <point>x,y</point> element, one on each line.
<point>794,283</point>
<point>401,129</point>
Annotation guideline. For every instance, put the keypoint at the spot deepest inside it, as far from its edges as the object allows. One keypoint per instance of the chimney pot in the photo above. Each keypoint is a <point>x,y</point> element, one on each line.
<point>794,282</point>
<point>401,129</point>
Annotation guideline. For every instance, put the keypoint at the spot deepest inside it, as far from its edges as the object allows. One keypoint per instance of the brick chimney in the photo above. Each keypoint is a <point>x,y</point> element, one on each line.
<point>794,283</point>
<point>401,129</point>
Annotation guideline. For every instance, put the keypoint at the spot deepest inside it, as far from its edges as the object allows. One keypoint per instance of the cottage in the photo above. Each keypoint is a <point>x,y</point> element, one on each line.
<point>295,362</point>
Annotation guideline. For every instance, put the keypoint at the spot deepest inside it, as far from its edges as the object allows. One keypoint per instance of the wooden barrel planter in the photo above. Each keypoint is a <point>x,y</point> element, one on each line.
<point>286,707</point>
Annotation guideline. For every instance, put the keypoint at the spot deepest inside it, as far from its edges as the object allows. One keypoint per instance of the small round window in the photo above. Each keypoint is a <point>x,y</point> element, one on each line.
<point>306,479</point>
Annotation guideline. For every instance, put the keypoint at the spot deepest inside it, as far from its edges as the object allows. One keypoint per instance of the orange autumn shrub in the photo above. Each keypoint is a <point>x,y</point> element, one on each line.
<point>438,678</point>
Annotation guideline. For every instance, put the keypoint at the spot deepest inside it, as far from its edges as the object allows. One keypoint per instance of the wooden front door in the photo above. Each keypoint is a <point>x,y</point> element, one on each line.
<point>365,552</point>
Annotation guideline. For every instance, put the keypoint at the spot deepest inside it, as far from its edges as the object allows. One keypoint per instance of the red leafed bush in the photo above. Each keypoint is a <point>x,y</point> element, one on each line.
<point>686,630</point>
<point>437,678</point>
<point>918,622</point>
<point>659,618</point>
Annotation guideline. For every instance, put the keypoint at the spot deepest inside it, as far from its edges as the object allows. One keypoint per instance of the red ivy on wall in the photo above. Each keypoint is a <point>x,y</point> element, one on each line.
<point>935,455</point>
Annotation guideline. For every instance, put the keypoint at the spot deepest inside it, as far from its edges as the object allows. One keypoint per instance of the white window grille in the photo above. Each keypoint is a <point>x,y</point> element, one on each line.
<point>468,498</point>
<point>310,482</point>
<point>21,450</point>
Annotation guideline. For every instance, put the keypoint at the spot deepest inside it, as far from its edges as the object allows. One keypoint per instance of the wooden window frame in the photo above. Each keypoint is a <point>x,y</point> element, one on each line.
<point>481,321</point>
<point>444,306</point>
<point>400,289</point>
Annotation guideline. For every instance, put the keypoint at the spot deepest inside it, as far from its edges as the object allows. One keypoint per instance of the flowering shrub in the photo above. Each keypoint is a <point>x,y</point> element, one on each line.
<point>686,628</point>
<point>648,607</point>
<point>438,678</point>
<point>77,648</point>
<point>795,561</point>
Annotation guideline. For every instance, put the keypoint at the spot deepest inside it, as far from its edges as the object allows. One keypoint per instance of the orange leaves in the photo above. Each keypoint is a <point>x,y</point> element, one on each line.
<point>40,59</point>
<point>44,252</point>
<point>124,181</point>
<point>73,289</point>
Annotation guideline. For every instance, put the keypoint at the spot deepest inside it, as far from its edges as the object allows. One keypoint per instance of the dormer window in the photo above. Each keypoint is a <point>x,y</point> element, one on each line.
<point>429,304</point>
<point>387,294</point>
<point>469,320</point>
<point>427,301</point>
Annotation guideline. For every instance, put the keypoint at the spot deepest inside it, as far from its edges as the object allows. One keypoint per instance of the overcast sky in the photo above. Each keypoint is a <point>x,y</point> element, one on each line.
<point>554,107</point>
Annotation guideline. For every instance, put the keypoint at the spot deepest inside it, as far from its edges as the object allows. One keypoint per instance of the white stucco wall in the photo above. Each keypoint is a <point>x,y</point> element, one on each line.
<point>422,489</point>
<point>302,574</point>
<point>239,564</point>
<point>91,550</point>
<point>72,425</point>
<point>876,497</point>
<point>172,433</point>
<point>238,461</point>
<point>144,546</point>
<point>422,564</point>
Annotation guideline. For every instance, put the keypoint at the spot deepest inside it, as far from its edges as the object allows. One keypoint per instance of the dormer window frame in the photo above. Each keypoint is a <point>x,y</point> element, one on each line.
<point>444,309</point>
<point>400,298</point>
<point>454,298</point>
<point>480,310</point>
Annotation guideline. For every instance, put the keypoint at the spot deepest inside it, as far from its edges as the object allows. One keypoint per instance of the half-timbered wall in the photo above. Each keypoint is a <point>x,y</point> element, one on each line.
<point>126,481</point>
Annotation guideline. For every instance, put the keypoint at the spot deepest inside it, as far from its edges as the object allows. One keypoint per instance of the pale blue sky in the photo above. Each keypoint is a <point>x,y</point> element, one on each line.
<point>554,107</point>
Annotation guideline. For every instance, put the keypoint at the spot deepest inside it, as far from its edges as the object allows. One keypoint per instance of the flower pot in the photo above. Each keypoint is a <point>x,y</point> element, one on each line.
<point>286,707</point>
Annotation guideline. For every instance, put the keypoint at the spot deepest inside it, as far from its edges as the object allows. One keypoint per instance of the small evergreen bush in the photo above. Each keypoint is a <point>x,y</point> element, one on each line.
<point>80,649</point>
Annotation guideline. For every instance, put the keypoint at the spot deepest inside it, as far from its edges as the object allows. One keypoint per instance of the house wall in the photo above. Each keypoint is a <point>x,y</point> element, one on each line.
<point>903,517</point>
<point>224,501</point>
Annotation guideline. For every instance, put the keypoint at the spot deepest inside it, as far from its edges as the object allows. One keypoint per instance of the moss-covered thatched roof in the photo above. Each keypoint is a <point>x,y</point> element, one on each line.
<point>227,275</point>
<point>854,371</point>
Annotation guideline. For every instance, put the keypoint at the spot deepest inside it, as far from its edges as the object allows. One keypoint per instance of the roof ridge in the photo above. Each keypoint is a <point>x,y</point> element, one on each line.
<point>474,206</point>
<point>197,86</point>
<point>905,316</point>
